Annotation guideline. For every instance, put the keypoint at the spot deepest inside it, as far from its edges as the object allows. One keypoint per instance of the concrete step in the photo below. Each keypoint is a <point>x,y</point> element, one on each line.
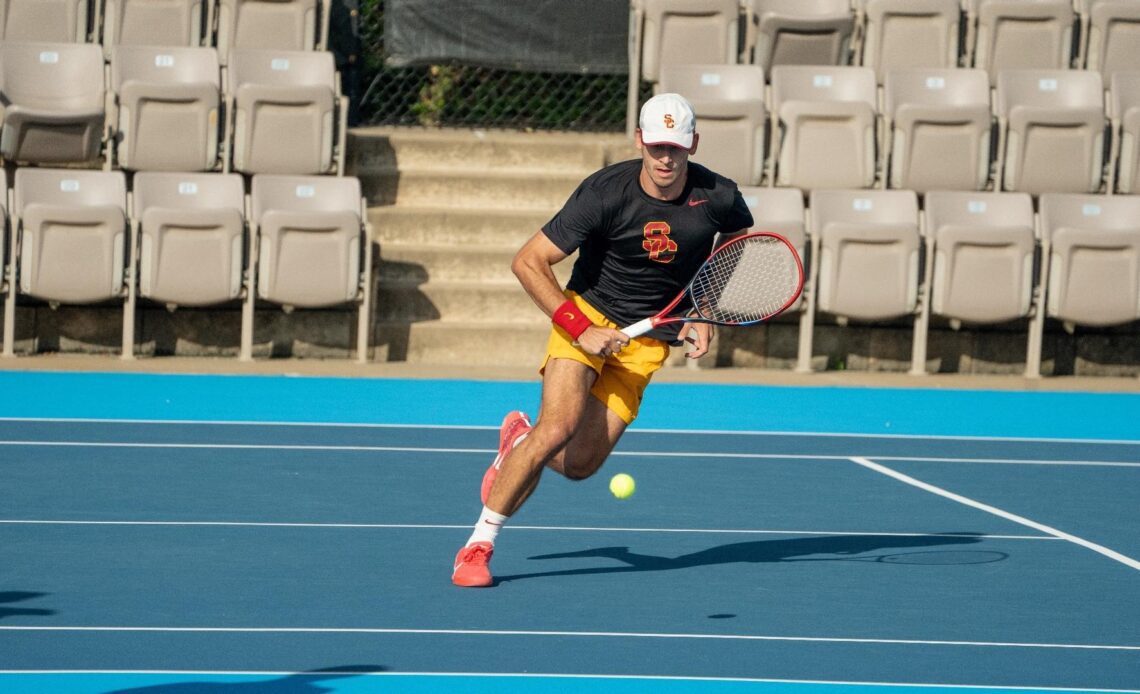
<point>466,343</point>
<point>494,302</point>
<point>402,262</point>
<point>519,189</point>
<point>455,226</point>
<point>380,148</point>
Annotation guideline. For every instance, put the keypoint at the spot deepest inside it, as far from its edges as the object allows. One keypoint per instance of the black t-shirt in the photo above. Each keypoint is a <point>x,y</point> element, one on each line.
<point>635,253</point>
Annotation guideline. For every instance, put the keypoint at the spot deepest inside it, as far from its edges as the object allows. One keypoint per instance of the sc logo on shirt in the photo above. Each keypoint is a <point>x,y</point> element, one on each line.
<point>657,243</point>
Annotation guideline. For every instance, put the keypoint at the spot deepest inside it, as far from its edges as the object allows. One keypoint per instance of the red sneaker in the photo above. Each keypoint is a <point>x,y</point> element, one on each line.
<point>471,570</point>
<point>515,425</point>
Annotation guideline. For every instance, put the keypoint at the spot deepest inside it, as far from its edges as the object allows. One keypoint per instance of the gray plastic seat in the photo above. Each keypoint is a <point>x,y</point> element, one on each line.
<point>285,96</point>
<point>1023,34</point>
<point>901,34</point>
<point>70,239</point>
<point>312,249</point>
<point>823,129</point>
<point>1052,126</point>
<point>1124,111</point>
<point>162,90</point>
<point>685,32</point>
<point>799,32</point>
<point>938,125</point>
<point>54,102</point>
<point>191,231</point>
<point>289,25</point>
<point>979,268</point>
<point>1111,36</point>
<point>728,101</point>
<point>865,251</point>
<point>156,23</point>
<point>50,21</point>
<point>1092,251</point>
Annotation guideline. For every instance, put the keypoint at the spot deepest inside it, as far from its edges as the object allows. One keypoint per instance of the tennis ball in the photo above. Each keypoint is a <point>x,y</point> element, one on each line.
<point>622,486</point>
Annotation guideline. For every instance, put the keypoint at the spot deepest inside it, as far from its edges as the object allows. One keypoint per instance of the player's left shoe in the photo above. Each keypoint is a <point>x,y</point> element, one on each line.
<point>515,426</point>
<point>471,566</point>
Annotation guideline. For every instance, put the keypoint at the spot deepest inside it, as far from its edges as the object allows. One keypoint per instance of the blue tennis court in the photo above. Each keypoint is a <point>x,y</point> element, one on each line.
<point>276,534</point>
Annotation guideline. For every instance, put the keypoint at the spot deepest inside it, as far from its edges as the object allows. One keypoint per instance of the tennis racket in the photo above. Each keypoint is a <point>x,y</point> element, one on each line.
<point>745,281</point>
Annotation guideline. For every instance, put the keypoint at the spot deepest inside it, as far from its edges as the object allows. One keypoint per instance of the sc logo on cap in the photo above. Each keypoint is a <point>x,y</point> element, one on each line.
<point>669,121</point>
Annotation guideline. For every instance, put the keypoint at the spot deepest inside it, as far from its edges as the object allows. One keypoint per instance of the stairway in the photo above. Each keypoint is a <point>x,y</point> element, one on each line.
<point>449,209</point>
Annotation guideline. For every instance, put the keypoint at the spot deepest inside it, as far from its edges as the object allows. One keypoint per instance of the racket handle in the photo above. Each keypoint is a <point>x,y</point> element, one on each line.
<point>639,328</point>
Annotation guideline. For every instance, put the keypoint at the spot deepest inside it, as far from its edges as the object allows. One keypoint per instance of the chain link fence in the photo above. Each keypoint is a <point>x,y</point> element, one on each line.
<point>454,95</point>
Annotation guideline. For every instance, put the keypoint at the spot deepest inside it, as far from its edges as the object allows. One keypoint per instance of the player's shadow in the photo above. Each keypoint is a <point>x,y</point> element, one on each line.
<point>20,596</point>
<point>298,683</point>
<point>821,548</point>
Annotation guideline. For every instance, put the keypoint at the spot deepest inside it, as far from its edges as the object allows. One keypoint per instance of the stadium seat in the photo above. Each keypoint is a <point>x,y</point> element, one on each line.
<point>903,34</point>
<point>823,127</point>
<point>161,90</point>
<point>1023,34</point>
<point>865,246</point>
<point>1112,36</point>
<point>312,249</point>
<point>70,239</point>
<point>938,127</point>
<point>54,102</point>
<point>685,32</point>
<point>1090,270</point>
<point>677,32</point>
<point>290,25</point>
<point>799,32</point>
<point>48,21</point>
<point>150,23</point>
<point>289,97</point>
<point>1093,257</point>
<point>190,229</point>
<point>781,210</point>
<point>1052,125</point>
<point>979,269</point>
<point>728,101</point>
<point>1124,110</point>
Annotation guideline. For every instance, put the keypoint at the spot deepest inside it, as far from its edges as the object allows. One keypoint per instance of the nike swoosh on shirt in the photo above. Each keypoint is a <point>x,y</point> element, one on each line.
<point>694,203</point>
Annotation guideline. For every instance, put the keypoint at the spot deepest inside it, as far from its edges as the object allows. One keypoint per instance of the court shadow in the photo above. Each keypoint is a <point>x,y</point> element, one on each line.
<point>20,596</point>
<point>299,683</point>
<point>820,548</point>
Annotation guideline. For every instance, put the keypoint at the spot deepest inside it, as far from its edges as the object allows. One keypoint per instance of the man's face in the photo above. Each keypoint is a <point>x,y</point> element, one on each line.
<point>664,165</point>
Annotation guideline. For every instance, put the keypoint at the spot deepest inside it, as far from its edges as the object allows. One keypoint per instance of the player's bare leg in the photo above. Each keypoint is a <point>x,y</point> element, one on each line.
<point>574,434</point>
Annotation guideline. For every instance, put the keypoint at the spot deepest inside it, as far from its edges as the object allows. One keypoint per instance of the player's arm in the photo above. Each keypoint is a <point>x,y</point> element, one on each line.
<point>533,265</point>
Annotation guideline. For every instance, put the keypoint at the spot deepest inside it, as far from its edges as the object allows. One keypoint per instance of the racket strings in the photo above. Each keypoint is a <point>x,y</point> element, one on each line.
<point>746,281</point>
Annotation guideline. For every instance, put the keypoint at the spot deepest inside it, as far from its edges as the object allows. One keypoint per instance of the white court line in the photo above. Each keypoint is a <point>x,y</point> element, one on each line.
<point>553,528</point>
<point>487,451</point>
<point>1100,549</point>
<point>634,430</point>
<point>573,676</point>
<point>567,634</point>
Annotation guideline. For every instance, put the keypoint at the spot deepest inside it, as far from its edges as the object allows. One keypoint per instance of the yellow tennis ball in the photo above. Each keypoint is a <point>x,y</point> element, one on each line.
<point>622,486</point>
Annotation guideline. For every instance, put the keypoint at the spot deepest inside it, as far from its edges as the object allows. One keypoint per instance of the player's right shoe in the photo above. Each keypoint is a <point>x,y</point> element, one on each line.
<point>471,566</point>
<point>515,425</point>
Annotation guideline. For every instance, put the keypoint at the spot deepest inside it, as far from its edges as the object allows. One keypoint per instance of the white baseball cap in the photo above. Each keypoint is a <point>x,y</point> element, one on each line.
<point>667,119</point>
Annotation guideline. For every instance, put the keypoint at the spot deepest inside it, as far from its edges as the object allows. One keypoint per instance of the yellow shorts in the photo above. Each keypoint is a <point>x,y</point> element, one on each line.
<point>622,377</point>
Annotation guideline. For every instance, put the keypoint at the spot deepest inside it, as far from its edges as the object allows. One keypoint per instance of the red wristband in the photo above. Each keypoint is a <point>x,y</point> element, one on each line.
<point>571,319</point>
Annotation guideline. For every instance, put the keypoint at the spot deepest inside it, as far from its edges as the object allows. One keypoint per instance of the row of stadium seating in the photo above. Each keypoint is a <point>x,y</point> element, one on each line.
<point>77,236</point>
<point>883,35</point>
<point>268,111</point>
<point>972,258</point>
<point>1038,131</point>
<point>224,24</point>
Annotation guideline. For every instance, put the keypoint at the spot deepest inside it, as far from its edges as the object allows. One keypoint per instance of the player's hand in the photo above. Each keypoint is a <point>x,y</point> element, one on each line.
<point>699,336</point>
<point>601,341</point>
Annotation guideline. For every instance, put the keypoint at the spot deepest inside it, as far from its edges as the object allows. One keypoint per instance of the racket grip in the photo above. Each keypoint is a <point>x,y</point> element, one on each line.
<point>639,328</point>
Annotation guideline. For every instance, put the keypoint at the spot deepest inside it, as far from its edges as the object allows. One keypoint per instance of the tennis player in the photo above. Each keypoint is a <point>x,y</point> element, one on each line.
<point>642,228</point>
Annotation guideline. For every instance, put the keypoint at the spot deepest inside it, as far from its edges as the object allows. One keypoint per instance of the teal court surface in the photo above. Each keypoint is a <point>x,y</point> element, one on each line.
<point>295,535</point>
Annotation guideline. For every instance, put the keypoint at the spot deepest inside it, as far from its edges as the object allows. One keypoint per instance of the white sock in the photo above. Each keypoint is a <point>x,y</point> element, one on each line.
<point>488,526</point>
